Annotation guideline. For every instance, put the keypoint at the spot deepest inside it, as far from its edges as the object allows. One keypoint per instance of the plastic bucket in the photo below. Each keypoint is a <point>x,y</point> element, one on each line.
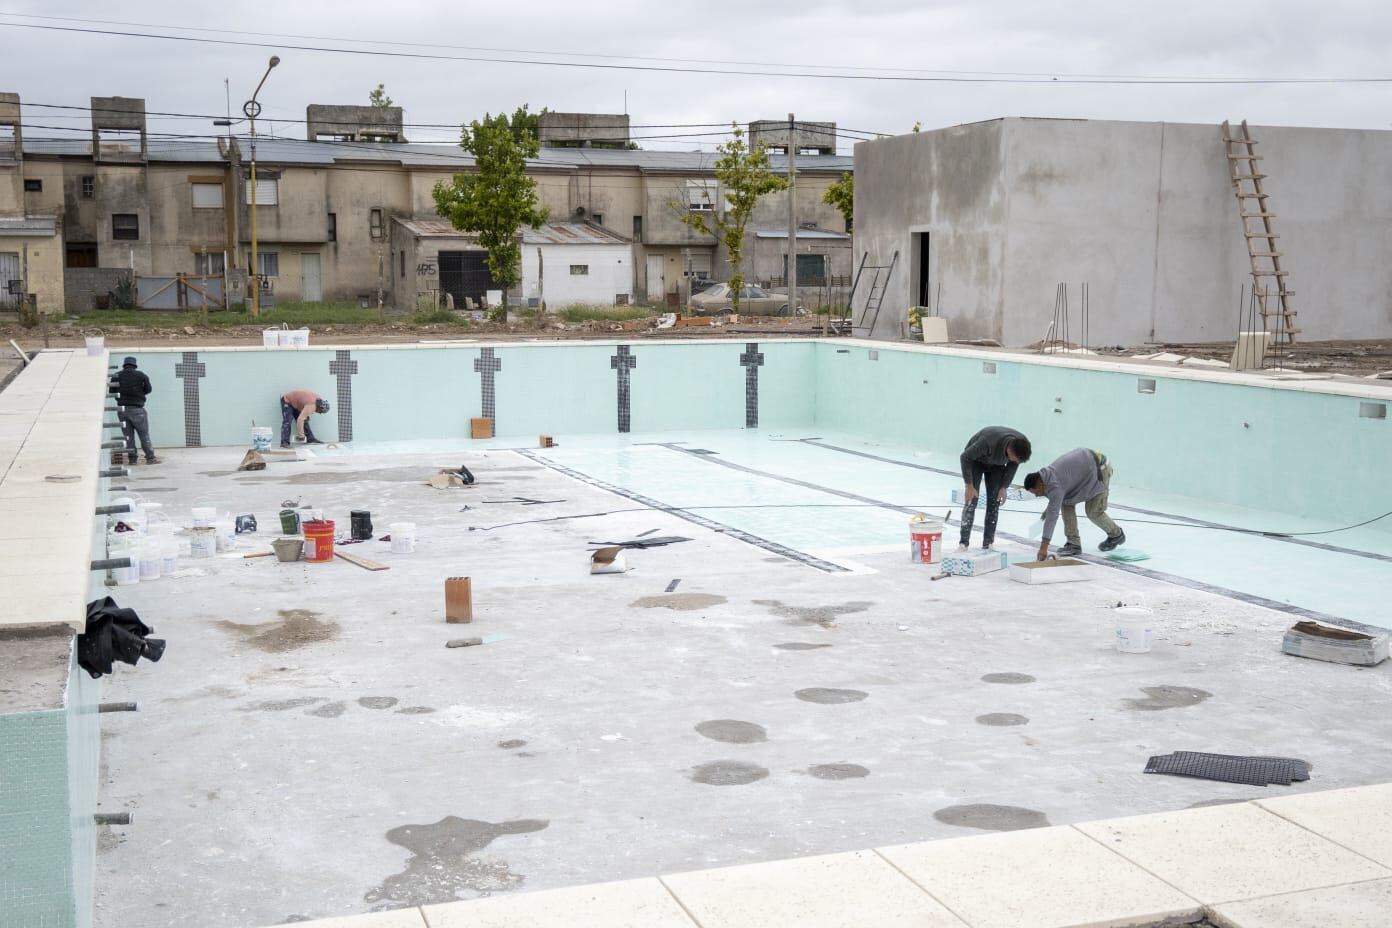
<point>318,540</point>
<point>226,534</point>
<point>289,522</point>
<point>261,437</point>
<point>270,338</point>
<point>361,524</point>
<point>204,516</point>
<point>169,554</point>
<point>925,540</point>
<point>151,559</point>
<point>403,537</point>
<point>1133,629</point>
<point>203,541</point>
<point>294,338</point>
<point>95,345</point>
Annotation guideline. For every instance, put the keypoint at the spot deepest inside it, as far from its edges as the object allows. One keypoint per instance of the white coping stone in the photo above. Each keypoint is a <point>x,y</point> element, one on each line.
<point>1041,877</point>
<point>1356,905</point>
<point>851,890</point>
<point>1231,853</point>
<point>625,904</point>
<point>1360,818</point>
<point>396,918</point>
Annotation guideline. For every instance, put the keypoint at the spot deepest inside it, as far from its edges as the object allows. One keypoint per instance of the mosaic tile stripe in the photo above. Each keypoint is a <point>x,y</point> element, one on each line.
<point>623,362</point>
<point>487,364</point>
<point>344,367</point>
<point>751,361</point>
<point>191,370</point>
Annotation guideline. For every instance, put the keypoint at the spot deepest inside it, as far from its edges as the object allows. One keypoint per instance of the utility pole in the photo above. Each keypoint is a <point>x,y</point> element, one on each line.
<point>252,109</point>
<point>381,313</point>
<point>791,271</point>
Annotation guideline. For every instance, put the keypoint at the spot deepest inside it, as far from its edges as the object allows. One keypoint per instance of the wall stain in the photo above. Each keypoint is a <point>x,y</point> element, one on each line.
<point>727,773</point>
<point>296,629</point>
<point>732,731</point>
<point>416,710</point>
<point>512,743</point>
<point>443,864</point>
<point>1159,698</point>
<point>1007,678</point>
<point>682,602</point>
<point>990,817</point>
<point>282,705</point>
<point>800,646</point>
<point>828,696</point>
<point>824,616</point>
<point>1001,719</point>
<point>838,771</point>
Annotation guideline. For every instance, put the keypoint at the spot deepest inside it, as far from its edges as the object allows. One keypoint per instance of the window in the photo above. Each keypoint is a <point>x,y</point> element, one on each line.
<point>637,228</point>
<point>579,270</point>
<point>403,265</point>
<point>125,227</point>
<point>374,224</point>
<point>598,218</point>
<point>267,263</point>
<point>333,227</point>
<point>267,191</point>
<point>208,264</point>
<point>208,196</point>
<point>89,187</point>
<point>700,195</point>
<point>33,185</point>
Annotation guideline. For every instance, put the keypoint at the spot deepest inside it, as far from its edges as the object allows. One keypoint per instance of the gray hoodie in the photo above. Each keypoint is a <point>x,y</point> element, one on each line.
<point>1070,480</point>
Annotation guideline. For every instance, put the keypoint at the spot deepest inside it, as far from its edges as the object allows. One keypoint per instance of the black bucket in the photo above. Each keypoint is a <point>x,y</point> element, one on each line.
<point>361,524</point>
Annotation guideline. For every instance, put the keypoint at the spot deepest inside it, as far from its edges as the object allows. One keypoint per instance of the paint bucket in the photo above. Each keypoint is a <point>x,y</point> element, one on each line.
<point>318,540</point>
<point>261,437</point>
<point>270,338</point>
<point>361,524</point>
<point>925,539</point>
<point>288,550</point>
<point>403,537</point>
<point>204,516</point>
<point>226,534</point>
<point>123,545</point>
<point>95,345</point>
<point>203,541</point>
<point>169,554</point>
<point>289,522</point>
<point>294,338</point>
<point>1133,629</point>
<point>151,559</point>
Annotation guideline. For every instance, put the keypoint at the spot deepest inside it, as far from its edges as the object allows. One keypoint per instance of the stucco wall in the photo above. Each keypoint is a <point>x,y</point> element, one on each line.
<point>546,274</point>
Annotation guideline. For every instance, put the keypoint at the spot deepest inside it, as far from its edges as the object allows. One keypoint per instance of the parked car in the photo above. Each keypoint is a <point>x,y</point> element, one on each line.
<point>756,301</point>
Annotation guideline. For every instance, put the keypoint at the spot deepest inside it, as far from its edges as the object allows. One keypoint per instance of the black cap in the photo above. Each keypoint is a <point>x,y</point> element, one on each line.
<point>128,362</point>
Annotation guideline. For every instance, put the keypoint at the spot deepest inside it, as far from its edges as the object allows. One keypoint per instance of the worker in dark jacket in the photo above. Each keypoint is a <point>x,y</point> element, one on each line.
<point>992,455</point>
<point>131,386</point>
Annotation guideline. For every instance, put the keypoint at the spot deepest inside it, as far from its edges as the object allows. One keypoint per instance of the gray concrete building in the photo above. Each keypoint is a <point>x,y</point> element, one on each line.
<point>354,123</point>
<point>987,219</point>
<point>813,138</point>
<point>583,130</point>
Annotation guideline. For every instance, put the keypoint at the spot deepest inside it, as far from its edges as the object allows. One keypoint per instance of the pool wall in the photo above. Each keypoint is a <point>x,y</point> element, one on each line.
<point>1303,448</point>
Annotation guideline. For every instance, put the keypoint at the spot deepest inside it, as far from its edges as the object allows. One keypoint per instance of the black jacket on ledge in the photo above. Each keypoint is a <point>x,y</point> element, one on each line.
<point>114,634</point>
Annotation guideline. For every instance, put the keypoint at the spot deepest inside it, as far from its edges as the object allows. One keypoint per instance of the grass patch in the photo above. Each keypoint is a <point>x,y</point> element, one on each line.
<point>603,313</point>
<point>438,317</point>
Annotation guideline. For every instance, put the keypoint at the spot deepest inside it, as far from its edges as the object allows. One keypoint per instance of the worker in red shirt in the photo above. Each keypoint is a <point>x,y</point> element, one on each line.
<point>295,409</point>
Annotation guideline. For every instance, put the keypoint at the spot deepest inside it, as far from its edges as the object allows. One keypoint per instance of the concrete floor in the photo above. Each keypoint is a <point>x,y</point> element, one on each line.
<point>309,747</point>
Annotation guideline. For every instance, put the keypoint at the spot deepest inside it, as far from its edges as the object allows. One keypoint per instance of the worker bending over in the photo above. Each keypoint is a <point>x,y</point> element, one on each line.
<point>993,454</point>
<point>295,409</point>
<point>1080,476</point>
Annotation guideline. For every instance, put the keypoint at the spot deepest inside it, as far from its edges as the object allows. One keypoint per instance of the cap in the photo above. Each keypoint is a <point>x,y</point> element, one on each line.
<point>128,362</point>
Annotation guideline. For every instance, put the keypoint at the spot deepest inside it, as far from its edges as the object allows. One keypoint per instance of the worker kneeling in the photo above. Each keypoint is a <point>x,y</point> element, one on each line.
<point>295,409</point>
<point>1080,476</point>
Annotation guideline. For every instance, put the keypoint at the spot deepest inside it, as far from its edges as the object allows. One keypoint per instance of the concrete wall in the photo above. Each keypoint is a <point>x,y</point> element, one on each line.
<point>546,274</point>
<point>82,286</point>
<point>355,122</point>
<point>571,129</point>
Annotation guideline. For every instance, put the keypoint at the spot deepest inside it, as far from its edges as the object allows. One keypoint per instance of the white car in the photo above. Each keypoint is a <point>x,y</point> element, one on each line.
<point>755,301</point>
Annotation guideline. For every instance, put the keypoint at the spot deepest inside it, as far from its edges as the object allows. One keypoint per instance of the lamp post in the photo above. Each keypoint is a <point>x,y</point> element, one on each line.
<point>252,109</point>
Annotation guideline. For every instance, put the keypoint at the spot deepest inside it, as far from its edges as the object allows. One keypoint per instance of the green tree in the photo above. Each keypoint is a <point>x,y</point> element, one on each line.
<point>379,97</point>
<point>745,175</point>
<point>842,196</point>
<point>497,199</point>
<point>524,122</point>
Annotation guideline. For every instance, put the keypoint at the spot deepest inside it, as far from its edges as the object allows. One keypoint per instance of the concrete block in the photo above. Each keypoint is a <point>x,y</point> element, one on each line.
<point>459,600</point>
<point>1359,905</point>
<point>626,904</point>
<point>1232,853</point>
<point>1360,819</point>
<point>1042,877</point>
<point>934,330</point>
<point>1337,645</point>
<point>974,563</point>
<point>1058,570</point>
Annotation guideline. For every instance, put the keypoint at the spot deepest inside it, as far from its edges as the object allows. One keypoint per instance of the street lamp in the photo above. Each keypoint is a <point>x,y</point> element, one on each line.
<point>252,109</point>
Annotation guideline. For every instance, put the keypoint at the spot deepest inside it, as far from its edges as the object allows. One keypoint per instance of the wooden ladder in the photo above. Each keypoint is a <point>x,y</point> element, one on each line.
<point>1252,205</point>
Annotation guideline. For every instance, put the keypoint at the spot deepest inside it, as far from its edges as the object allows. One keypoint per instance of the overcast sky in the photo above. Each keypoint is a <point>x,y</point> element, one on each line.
<point>1220,38</point>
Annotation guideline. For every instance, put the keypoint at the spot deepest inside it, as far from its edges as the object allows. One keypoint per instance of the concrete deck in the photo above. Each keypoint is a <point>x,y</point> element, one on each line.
<point>309,747</point>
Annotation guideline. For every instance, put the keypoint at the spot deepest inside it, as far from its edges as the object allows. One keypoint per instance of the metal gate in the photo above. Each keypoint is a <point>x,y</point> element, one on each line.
<point>9,270</point>
<point>465,274</point>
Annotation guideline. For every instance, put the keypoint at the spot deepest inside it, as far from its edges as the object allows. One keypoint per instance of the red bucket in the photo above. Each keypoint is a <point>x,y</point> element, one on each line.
<point>318,540</point>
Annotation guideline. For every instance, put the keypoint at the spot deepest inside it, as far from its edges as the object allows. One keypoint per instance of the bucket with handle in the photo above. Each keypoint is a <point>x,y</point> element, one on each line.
<point>289,522</point>
<point>96,344</point>
<point>261,437</point>
<point>1133,629</point>
<point>403,537</point>
<point>925,539</point>
<point>319,540</point>
<point>204,516</point>
<point>270,338</point>
<point>203,541</point>
<point>151,555</point>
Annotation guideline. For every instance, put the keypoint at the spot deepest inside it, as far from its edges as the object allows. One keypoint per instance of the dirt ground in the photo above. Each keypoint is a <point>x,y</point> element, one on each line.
<point>1354,358</point>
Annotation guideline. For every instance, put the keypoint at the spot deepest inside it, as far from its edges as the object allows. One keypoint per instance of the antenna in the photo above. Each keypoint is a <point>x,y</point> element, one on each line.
<point>227,89</point>
<point>625,101</point>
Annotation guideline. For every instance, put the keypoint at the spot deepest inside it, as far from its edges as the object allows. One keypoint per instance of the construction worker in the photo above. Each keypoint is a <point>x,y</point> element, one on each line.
<point>295,409</point>
<point>131,386</point>
<point>994,453</point>
<point>1080,476</point>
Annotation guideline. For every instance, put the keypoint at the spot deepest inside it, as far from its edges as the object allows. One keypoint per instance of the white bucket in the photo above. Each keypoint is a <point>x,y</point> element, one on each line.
<point>1133,629</point>
<point>95,345</point>
<point>151,560</point>
<point>261,437</point>
<point>294,338</point>
<point>403,537</point>
<point>204,516</point>
<point>203,542</point>
<point>270,338</point>
<point>169,554</point>
<point>226,534</point>
<point>123,545</point>
<point>925,539</point>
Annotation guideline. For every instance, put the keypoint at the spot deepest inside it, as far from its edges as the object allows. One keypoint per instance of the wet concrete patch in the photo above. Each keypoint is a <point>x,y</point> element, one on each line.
<point>416,710</point>
<point>377,702</point>
<point>824,616</point>
<point>1159,698</point>
<point>838,771</point>
<point>318,477</point>
<point>828,696</point>
<point>1001,719</point>
<point>990,817</point>
<point>1015,678</point>
<point>800,646</point>
<point>442,864</point>
<point>296,629</point>
<point>512,743</point>
<point>682,602</point>
<point>732,731</point>
<point>728,773</point>
<point>282,705</point>
<point>330,710</point>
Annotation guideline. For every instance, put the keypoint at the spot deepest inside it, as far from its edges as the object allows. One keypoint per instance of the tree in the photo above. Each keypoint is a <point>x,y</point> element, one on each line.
<point>526,123</point>
<point>497,199</point>
<point>379,97</point>
<point>745,175</point>
<point>842,196</point>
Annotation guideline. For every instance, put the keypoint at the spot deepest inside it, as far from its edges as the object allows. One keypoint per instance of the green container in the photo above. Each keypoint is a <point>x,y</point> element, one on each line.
<point>289,522</point>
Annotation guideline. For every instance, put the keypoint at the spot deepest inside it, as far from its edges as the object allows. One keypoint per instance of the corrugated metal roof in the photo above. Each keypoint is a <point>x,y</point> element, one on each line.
<point>28,225</point>
<point>802,234</point>
<point>432,228</point>
<point>572,233</point>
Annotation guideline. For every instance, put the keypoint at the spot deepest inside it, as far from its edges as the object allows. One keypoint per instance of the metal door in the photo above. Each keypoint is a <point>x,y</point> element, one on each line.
<point>465,274</point>
<point>9,270</point>
<point>657,281</point>
<point>312,290</point>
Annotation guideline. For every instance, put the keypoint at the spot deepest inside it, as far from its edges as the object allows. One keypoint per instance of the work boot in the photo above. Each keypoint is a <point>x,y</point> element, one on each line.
<point>1070,550</point>
<point>1114,541</point>
<point>152,460</point>
<point>285,444</point>
<point>313,441</point>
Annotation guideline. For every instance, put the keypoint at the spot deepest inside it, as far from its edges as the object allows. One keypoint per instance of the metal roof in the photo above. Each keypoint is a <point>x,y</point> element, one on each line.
<point>572,233</point>
<point>802,234</point>
<point>28,225</point>
<point>431,228</point>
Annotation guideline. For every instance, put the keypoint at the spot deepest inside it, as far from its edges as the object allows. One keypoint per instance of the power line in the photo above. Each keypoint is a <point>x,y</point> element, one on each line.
<point>738,72</point>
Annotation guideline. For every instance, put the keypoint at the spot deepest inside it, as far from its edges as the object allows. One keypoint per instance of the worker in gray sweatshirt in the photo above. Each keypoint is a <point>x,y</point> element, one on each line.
<point>1080,476</point>
<point>993,454</point>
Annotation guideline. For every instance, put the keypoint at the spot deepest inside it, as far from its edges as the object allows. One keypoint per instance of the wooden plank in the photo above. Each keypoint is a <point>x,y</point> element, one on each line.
<point>364,563</point>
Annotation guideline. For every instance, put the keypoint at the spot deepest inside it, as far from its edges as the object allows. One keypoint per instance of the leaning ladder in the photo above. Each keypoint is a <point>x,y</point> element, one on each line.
<point>879,283</point>
<point>1252,206</point>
